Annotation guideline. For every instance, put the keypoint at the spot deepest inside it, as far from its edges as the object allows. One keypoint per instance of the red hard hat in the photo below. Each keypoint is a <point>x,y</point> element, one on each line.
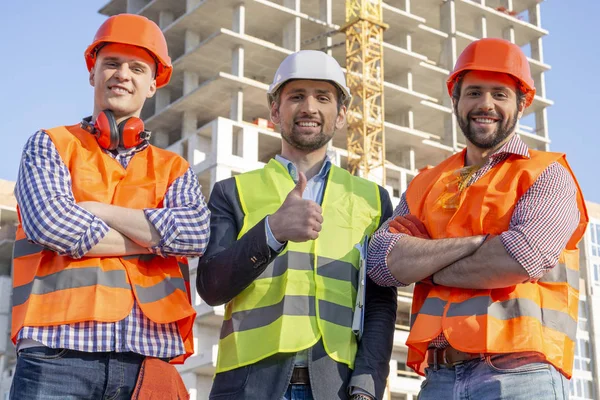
<point>495,55</point>
<point>134,30</point>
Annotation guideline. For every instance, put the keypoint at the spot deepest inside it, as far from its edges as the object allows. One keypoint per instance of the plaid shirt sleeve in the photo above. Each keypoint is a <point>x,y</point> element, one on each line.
<point>543,221</point>
<point>50,216</point>
<point>382,243</point>
<point>183,223</point>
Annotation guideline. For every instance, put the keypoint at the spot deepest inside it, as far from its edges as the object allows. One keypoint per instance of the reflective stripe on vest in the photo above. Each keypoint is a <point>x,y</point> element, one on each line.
<point>307,293</point>
<point>69,279</point>
<point>24,247</point>
<point>45,283</point>
<point>538,316</point>
<point>515,308</point>
<point>335,269</point>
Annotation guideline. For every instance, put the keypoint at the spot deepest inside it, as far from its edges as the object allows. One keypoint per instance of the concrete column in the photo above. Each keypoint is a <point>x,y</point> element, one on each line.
<point>409,80</point>
<point>239,19</point>
<point>326,14</point>
<point>291,30</point>
<point>536,45</point>
<point>160,139</point>
<point>541,123</point>
<point>509,34</point>
<point>535,16</point>
<point>448,25</point>
<point>133,6</point>
<point>250,144</point>
<point>192,40</point>
<point>448,59</point>
<point>163,99</point>
<point>408,159</point>
<point>222,140</point>
<point>189,124</point>
<point>540,84</point>
<point>237,61</point>
<point>191,80</point>
<point>165,18</point>
<point>537,52</point>
<point>482,25</point>
<point>236,112</point>
<point>405,41</point>
<point>407,118</point>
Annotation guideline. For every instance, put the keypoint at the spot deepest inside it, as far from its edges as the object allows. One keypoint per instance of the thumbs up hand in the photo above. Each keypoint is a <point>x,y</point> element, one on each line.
<point>297,220</point>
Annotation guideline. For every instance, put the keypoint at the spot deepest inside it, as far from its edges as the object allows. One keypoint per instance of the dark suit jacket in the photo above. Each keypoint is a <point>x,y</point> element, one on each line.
<point>230,265</point>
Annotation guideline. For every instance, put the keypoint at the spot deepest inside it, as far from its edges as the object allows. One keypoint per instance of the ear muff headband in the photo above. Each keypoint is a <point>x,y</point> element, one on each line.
<point>110,135</point>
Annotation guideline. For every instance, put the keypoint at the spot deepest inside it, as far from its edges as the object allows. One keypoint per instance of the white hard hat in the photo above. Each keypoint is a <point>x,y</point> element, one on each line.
<point>310,64</point>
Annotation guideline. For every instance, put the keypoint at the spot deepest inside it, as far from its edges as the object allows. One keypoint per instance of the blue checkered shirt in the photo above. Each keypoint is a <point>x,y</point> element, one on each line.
<point>51,218</point>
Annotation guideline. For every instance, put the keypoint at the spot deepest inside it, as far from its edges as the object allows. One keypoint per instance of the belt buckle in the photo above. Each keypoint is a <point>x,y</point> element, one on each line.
<point>449,364</point>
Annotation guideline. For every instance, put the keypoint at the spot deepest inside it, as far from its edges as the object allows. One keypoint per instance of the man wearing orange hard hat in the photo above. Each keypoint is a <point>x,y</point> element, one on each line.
<point>101,279</point>
<point>489,238</point>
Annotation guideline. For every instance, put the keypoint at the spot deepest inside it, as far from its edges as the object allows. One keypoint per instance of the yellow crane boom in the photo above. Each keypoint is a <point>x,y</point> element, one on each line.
<point>364,64</point>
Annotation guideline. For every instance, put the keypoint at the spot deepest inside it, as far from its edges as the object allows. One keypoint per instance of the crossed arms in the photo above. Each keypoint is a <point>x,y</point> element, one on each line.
<point>51,217</point>
<point>542,222</point>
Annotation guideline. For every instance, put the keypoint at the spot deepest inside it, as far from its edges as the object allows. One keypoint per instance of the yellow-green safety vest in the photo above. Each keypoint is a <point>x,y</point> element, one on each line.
<point>308,292</point>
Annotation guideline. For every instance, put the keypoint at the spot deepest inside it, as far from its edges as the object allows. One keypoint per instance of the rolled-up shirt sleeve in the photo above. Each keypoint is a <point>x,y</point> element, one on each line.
<point>381,244</point>
<point>50,216</point>
<point>543,220</point>
<point>183,222</point>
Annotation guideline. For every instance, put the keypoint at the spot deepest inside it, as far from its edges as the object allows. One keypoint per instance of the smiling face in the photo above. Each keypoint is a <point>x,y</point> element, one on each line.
<point>123,78</point>
<point>488,108</point>
<point>308,114</point>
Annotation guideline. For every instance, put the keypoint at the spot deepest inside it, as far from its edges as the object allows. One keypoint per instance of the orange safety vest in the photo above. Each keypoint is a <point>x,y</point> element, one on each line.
<point>540,316</point>
<point>49,289</point>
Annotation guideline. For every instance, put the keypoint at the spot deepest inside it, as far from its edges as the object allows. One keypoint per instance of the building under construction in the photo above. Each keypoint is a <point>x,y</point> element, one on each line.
<point>214,111</point>
<point>225,53</point>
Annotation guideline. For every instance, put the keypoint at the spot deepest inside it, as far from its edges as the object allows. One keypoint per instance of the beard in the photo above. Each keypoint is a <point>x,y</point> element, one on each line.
<point>480,137</point>
<point>306,142</point>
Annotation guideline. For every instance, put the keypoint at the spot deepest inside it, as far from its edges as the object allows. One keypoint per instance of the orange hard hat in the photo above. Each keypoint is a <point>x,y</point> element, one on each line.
<point>134,30</point>
<point>495,55</point>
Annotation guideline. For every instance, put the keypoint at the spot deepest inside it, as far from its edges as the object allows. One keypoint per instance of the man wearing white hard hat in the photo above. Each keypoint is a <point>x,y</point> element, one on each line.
<point>285,254</point>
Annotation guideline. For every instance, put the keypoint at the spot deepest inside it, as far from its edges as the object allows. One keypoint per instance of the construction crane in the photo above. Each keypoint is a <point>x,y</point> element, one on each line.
<point>364,73</point>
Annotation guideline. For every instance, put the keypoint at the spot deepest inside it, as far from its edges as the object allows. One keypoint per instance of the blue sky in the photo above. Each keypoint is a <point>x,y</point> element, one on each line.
<point>46,84</point>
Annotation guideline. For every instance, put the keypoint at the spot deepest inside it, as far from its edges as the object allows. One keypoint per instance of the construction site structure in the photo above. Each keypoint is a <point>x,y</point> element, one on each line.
<point>225,53</point>
<point>214,113</point>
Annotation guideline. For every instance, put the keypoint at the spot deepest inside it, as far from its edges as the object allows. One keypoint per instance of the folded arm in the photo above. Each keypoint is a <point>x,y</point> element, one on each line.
<point>116,244</point>
<point>399,260</point>
<point>180,228</point>
<point>542,222</point>
<point>49,215</point>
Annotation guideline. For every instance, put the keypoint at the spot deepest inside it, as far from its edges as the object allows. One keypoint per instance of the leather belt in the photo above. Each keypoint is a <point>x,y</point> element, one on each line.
<point>300,376</point>
<point>448,357</point>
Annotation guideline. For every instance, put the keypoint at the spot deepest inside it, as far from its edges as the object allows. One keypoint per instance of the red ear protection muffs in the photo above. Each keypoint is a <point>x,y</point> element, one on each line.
<point>110,135</point>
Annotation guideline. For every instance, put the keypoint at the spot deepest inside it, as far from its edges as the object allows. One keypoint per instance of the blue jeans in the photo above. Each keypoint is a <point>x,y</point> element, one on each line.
<point>516,376</point>
<point>298,392</point>
<point>45,373</point>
